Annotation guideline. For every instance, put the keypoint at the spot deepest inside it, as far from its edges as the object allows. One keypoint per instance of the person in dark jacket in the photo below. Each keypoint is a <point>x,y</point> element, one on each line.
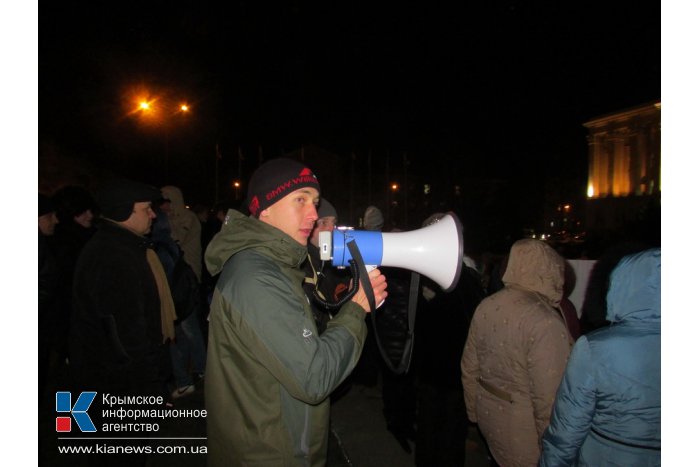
<point>187,350</point>
<point>269,373</point>
<point>568,309</point>
<point>123,313</point>
<point>389,339</point>
<point>442,329</point>
<point>368,369</point>
<point>116,330</point>
<point>321,278</point>
<point>608,406</point>
<point>74,208</point>
<point>444,325</point>
<point>48,288</point>
<point>392,334</point>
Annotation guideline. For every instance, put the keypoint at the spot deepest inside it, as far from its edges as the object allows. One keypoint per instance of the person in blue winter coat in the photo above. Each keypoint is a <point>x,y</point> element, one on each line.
<point>608,406</point>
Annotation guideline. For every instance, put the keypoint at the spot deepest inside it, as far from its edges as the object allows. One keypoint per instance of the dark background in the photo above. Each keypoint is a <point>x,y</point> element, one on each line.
<point>490,96</point>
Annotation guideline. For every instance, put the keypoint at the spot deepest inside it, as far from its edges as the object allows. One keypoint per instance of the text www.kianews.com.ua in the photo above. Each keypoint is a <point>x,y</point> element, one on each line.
<point>103,448</point>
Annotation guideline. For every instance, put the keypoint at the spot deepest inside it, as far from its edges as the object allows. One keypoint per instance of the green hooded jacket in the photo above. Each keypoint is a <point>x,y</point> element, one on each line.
<point>269,373</point>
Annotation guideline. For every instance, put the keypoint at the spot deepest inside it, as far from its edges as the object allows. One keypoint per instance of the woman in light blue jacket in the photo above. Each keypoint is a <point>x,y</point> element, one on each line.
<point>608,406</point>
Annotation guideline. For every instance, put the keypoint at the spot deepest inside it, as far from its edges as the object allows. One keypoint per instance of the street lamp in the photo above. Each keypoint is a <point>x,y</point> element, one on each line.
<point>182,109</point>
<point>394,188</point>
<point>236,186</point>
<point>158,111</point>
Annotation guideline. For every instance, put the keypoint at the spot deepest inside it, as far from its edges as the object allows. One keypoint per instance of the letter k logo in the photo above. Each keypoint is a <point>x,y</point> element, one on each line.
<point>78,411</point>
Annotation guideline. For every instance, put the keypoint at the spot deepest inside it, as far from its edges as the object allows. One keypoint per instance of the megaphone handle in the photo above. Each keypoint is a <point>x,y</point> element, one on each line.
<point>363,277</point>
<point>370,268</point>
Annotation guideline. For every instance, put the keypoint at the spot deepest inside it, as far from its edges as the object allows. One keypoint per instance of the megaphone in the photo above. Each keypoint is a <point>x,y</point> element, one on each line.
<point>434,251</point>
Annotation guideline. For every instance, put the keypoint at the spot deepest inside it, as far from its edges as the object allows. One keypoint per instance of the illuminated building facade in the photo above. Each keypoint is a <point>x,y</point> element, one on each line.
<point>624,165</point>
<point>625,153</point>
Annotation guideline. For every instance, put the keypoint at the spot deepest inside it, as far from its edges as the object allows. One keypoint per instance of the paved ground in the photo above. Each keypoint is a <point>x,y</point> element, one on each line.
<point>357,420</point>
<point>358,436</point>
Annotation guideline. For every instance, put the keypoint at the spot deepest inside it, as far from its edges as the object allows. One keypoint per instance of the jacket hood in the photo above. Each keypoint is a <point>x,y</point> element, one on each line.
<point>635,288</point>
<point>177,201</point>
<point>240,233</point>
<point>535,266</point>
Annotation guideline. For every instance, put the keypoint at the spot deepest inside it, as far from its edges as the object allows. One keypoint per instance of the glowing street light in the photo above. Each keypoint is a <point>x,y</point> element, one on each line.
<point>158,110</point>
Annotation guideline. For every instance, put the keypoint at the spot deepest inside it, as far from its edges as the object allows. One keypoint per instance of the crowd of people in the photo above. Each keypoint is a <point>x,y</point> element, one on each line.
<point>140,295</point>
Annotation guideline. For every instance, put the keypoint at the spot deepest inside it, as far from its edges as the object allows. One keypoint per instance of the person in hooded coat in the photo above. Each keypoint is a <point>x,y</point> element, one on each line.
<point>516,353</point>
<point>608,407</point>
<point>185,226</point>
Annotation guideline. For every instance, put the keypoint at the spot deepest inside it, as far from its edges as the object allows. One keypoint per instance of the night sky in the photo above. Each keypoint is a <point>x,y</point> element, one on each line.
<point>484,90</point>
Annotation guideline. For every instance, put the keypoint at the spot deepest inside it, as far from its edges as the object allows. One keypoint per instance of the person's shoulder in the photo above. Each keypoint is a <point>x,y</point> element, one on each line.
<point>250,274</point>
<point>611,332</point>
<point>191,217</point>
<point>249,266</point>
<point>110,266</point>
<point>526,306</point>
<point>490,301</point>
<point>100,241</point>
<point>509,297</point>
<point>525,300</point>
<point>114,245</point>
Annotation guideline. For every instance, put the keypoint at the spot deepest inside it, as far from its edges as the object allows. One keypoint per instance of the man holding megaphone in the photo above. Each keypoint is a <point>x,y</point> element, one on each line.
<point>269,373</point>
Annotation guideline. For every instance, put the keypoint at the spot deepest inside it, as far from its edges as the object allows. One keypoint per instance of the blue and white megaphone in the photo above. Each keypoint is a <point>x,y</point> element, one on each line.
<point>434,251</point>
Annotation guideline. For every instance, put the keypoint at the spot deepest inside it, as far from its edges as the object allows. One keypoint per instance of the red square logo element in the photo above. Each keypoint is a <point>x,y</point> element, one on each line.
<point>63,424</point>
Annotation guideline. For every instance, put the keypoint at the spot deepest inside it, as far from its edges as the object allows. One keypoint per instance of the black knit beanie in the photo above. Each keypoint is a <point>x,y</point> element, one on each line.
<point>274,180</point>
<point>116,198</point>
<point>326,209</point>
<point>72,201</point>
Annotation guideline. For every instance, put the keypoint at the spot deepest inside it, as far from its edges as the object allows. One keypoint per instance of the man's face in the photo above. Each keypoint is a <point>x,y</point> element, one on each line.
<point>203,215</point>
<point>84,219</point>
<point>47,223</point>
<point>295,214</point>
<point>165,206</point>
<point>323,224</point>
<point>140,219</point>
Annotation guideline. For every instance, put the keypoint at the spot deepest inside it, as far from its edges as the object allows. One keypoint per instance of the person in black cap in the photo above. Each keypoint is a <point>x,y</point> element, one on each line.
<point>123,312</point>
<point>75,208</point>
<point>269,372</point>
<point>48,288</point>
<point>327,282</point>
<point>47,216</point>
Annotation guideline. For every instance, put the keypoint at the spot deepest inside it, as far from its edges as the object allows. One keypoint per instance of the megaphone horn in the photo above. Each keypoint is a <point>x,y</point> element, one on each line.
<point>434,251</point>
